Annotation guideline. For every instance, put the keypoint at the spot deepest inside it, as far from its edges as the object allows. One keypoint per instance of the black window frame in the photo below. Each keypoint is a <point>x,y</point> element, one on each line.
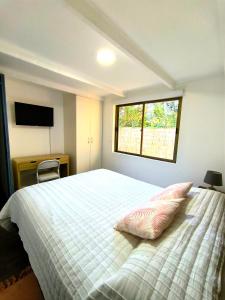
<point>116,130</point>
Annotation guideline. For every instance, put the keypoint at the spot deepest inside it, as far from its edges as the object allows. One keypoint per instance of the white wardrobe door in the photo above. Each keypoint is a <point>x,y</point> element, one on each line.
<point>96,133</point>
<point>83,124</point>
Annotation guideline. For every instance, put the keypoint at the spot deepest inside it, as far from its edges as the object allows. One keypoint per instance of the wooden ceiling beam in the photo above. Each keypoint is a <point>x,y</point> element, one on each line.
<point>95,17</point>
<point>39,61</point>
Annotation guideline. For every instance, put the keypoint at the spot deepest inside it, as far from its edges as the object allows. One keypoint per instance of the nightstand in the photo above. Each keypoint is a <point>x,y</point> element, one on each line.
<point>202,187</point>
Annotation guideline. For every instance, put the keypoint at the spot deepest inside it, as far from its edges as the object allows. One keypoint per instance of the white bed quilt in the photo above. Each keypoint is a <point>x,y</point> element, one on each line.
<point>67,229</point>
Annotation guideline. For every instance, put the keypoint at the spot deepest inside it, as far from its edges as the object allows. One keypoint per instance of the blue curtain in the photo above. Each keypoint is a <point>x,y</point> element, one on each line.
<point>6,178</point>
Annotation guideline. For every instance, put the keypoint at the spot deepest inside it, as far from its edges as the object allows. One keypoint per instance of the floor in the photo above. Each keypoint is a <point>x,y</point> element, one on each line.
<point>13,258</point>
<point>15,271</point>
<point>26,288</point>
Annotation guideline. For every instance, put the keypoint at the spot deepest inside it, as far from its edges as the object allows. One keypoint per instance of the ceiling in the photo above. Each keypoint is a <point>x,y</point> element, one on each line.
<point>55,43</point>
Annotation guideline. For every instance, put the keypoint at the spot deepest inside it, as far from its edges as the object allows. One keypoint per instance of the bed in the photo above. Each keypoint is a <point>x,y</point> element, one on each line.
<point>66,227</point>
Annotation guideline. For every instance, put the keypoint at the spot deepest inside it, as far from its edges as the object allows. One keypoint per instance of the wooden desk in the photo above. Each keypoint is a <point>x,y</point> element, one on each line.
<point>28,163</point>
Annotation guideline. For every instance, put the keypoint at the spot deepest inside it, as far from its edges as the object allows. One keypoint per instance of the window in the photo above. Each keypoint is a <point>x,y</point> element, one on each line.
<point>149,129</point>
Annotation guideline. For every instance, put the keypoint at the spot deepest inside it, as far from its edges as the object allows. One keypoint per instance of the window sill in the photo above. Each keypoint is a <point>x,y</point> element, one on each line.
<point>145,156</point>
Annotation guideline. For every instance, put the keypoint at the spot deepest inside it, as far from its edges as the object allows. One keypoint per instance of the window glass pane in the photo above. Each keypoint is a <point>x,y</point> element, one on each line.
<point>160,119</point>
<point>129,128</point>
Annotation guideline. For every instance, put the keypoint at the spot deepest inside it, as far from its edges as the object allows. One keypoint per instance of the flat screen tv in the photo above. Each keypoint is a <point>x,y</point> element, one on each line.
<point>33,115</point>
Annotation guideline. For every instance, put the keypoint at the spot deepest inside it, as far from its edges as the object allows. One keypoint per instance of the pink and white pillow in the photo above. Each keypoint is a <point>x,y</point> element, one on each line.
<point>175,191</point>
<point>150,220</point>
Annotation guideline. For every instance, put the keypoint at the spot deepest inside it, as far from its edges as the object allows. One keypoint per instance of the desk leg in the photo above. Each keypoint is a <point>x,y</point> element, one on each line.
<point>16,175</point>
<point>19,181</point>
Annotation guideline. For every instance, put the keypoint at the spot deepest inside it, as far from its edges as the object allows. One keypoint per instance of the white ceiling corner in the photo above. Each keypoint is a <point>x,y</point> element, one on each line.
<point>111,31</point>
<point>39,61</point>
<point>181,36</point>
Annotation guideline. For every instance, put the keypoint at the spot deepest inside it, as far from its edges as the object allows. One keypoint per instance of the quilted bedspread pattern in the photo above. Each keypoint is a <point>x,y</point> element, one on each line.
<point>67,229</point>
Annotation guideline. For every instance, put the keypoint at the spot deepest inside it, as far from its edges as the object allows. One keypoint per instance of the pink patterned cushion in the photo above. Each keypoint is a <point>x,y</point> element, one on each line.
<point>175,191</point>
<point>150,220</point>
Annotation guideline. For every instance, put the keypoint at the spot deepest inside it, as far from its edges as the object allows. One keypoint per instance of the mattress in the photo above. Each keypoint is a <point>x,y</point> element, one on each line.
<point>66,227</point>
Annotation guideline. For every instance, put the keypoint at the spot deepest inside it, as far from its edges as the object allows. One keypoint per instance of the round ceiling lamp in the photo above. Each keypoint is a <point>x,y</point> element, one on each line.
<point>106,57</point>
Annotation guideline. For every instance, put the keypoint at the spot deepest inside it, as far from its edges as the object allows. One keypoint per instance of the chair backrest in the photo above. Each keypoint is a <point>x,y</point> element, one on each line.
<point>43,168</point>
<point>48,164</point>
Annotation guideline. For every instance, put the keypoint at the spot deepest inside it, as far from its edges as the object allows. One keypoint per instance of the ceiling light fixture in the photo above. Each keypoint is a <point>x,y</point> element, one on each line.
<point>106,57</point>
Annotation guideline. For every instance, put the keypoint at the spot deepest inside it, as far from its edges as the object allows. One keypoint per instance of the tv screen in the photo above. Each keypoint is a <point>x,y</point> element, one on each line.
<point>33,115</point>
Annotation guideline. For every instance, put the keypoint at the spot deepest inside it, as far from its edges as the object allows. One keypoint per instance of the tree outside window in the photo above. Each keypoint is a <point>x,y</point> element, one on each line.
<point>149,129</point>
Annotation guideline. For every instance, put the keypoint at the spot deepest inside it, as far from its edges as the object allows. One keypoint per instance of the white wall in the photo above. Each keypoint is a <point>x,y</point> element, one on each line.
<point>201,141</point>
<point>29,140</point>
<point>70,129</point>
